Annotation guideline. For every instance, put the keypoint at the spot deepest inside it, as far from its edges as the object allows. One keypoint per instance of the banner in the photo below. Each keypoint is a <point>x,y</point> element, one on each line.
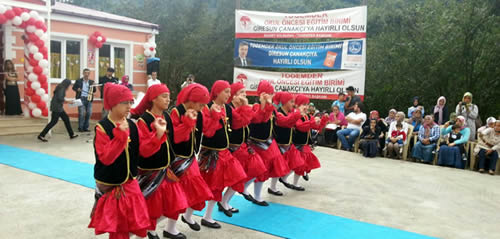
<point>339,23</point>
<point>348,54</point>
<point>316,85</point>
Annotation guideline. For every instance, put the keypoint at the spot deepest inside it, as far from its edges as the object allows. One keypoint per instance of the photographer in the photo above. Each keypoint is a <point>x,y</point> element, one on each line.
<point>470,112</point>
<point>189,80</point>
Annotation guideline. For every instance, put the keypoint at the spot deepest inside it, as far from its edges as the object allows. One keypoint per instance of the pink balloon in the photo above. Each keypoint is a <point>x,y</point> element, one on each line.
<point>93,39</point>
<point>97,33</point>
<point>45,55</point>
<point>39,24</point>
<point>103,39</point>
<point>43,50</point>
<point>33,38</point>
<point>42,78</point>
<point>36,98</point>
<point>17,11</point>
<point>44,85</point>
<point>37,70</point>
<point>33,62</point>
<point>39,43</point>
<point>98,45</point>
<point>28,85</point>
<point>9,14</point>
<point>45,112</point>
<point>31,21</point>
<point>28,91</point>
<point>151,48</point>
<point>3,19</point>
<point>41,104</point>
<point>23,25</point>
<point>44,28</point>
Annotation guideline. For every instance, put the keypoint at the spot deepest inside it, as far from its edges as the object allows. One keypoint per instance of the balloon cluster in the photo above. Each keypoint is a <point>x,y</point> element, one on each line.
<point>149,49</point>
<point>36,66</point>
<point>97,39</point>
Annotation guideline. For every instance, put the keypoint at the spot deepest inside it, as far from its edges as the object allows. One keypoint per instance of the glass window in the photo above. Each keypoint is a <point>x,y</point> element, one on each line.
<point>72,60</point>
<point>104,59</point>
<point>55,59</point>
<point>119,62</point>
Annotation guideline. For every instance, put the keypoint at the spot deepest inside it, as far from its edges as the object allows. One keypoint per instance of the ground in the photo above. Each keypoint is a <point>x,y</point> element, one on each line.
<point>430,200</point>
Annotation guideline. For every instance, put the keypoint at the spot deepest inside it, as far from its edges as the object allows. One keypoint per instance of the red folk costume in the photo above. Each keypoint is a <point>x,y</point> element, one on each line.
<point>186,144</point>
<point>283,131</point>
<point>261,138</point>
<point>161,188</point>
<point>302,138</point>
<point>120,207</point>
<point>250,161</point>
<point>217,165</point>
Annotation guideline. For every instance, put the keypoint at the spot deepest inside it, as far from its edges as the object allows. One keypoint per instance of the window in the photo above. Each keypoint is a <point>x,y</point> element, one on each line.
<point>65,59</point>
<point>112,56</point>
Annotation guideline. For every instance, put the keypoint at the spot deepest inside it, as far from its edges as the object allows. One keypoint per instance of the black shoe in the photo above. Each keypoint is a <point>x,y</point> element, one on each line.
<point>286,184</point>
<point>248,197</point>
<point>234,210</point>
<point>275,193</point>
<point>195,226</point>
<point>151,236</point>
<point>80,130</point>
<point>86,130</point>
<point>178,236</point>
<point>206,223</point>
<point>298,188</point>
<point>222,209</point>
<point>73,136</point>
<point>306,177</point>
<point>263,203</point>
<point>42,138</point>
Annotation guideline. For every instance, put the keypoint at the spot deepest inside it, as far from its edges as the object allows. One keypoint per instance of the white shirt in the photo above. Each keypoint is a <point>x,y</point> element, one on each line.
<point>354,116</point>
<point>153,82</point>
<point>243,61</point>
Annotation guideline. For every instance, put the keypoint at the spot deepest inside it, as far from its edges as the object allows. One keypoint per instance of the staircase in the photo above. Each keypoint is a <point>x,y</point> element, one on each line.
<point>18,125</point>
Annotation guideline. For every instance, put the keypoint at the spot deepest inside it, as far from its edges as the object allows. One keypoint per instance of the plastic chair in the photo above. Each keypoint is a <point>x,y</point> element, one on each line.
<point>407,143</point>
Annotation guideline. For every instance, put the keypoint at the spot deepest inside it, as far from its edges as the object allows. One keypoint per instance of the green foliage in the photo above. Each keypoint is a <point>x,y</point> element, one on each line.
<point>425,48</point>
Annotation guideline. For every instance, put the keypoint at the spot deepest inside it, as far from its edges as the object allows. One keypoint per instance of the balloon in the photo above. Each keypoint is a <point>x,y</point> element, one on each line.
<point>45,55</point>
<point>31,21</point>
<point>25,16</point>
<point>147,52</point>
<point>45,97</point>
<point>32,37</point>
<point>29,91</point>
<point>45,85</point>
<point>42,78</point>
<point>153,44</point>
<point>2,9</point>
<point>97,33</point>
<point>31,105</point>
<point>38,56</point>
<point>103,39</point>
<point>9,14</point>
<point>41,105</point>
<point>40,92</point>
<point>34,14</point>
<point>43,63</point>
<point>36,98</point>
<point>36,112</point>
<point>151,48</point>
<point>37,70</point>
<point>146,45</point>
<point>40,43</point>
<point>23,25</point>
<point>45,71</point>
<point>45,112</point>
<point>17,20</point>
<point>17,10</point>
<point>43,50</point>
<point>35,85</point>
<point>45,37</point>
<point>39,32</point>
<point>33,49</point>
<point>93,39</point>
<point>33,62</point>
<point>3,19</point>
<point>39,24</point>
<point>98,45</point>
<point>31,28</point>
<point>32,77</point>
<point>99,38</point>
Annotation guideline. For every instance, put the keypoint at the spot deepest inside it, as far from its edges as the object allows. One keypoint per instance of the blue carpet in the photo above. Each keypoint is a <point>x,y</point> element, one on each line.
<point>277,219</point>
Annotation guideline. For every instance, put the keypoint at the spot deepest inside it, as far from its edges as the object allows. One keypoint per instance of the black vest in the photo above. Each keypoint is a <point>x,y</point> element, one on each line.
<point>282,135</point>
<point>188,148</point>
<point>126,164</point>
<point>220,140</point>
<point>301,138</point>
<point>163,157</point>
<point>238,136</point>
<point>262,131</point>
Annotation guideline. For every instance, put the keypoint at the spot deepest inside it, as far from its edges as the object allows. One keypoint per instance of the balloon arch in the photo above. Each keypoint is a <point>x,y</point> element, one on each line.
<point>36,65</point>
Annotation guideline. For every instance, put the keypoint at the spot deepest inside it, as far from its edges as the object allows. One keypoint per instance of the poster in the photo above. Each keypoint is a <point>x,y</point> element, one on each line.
<point>338,23</point>
<point>347,54</point>
<point>315,85</point>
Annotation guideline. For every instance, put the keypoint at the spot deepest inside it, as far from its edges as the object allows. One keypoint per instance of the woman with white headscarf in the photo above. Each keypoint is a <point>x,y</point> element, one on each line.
<point>450,154</point>
<point>441,114</point>
<point>470,112</point>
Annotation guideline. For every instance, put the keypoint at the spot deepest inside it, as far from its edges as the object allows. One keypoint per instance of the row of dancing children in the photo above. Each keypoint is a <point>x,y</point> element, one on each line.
<point>149,169</point>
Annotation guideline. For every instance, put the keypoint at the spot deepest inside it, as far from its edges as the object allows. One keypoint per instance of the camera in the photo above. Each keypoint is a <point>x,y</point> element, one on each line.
<point>452,122</point>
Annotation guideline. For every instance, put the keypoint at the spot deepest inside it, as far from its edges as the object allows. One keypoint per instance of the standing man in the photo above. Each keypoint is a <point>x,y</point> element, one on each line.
<point>189,80</point>
<point>351,100</point>
<point>242,59</point>
<point>108,78</point>
<point>82,87</point>
<point>153,80</point>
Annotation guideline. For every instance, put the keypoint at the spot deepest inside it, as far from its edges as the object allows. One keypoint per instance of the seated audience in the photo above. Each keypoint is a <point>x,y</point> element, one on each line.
<point>335,123</point>
<point>354,122</point>
<point>416,105</point>
<point>369,139</point>
<point>428,136</point>
<point>450,154</point>
<point>489,147</point>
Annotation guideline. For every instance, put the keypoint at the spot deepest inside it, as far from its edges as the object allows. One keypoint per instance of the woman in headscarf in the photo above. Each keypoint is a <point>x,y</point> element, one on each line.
<point>489,147</point>
<point>441,115</point>
<point>416,120</point>
<point>470,112</point>
<point>125,83</point>
<point>393,148</point>
<point>380,124</point>
<point>335,123</point>
<point>428,135</point>
<point>449,154</point>
<point>490,123</point>
<point>391,117</point>
<point>416,105</point>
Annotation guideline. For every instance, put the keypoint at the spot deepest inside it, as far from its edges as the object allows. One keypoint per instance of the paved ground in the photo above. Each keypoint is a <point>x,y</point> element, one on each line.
<point>430,200</point>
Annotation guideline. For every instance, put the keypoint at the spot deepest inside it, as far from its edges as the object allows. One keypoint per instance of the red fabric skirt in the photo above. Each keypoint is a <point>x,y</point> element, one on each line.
<point>293,157</point>
<point>273,160</point>
<point>227,173</point>
<point>250,161</point>
<point>195,188</point>
<point>126,214</point>
<point>168,200</point>
<point>311,161</point>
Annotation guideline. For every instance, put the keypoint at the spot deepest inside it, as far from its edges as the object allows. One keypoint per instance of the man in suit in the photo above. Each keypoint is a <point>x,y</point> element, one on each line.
<point>84,92</point>
<point>103,80</point>
<point>242,59</point>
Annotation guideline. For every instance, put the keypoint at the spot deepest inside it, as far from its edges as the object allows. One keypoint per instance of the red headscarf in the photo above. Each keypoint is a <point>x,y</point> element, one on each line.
<point>195,93</point>
<point>374,115</point>
<point>301,100</point>
<point>218,87</point>
<point>235,87</point>
<point>265,87</point>
<point>282,97</point>
<point>114,94</point>
<point>147,102</point>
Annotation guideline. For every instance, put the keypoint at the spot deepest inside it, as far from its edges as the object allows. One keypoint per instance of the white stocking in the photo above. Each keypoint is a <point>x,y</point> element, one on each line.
<point>257,189</point>
<point>210,209</point>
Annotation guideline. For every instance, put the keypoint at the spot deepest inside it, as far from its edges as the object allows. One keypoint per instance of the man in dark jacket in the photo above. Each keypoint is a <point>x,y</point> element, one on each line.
<point>103,80</point>
<point>84,92</point>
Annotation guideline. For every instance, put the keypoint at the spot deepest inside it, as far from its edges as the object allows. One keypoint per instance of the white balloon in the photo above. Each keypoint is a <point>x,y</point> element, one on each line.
<point>25,16</point>
<point>39,32</point>
<point>40,18</point>
<point>40,92</point>
<point>45,71</point>
<point>43,63</point>
<point>17,20</point>
<point>45,37</point>
<point>31,28</point>
<point>153,44</point>
<point>34,50</point>
<point>38,56</point>
<point>147,52</point>
<point>99,38</point>
<point>34,14</point>
<point>45,97</point>
<point>31,105</point>
<point>8,7</point>
<point>36,112</point>
<point>35,85</point>
<point>32,77</point>
<point>145,45</point>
